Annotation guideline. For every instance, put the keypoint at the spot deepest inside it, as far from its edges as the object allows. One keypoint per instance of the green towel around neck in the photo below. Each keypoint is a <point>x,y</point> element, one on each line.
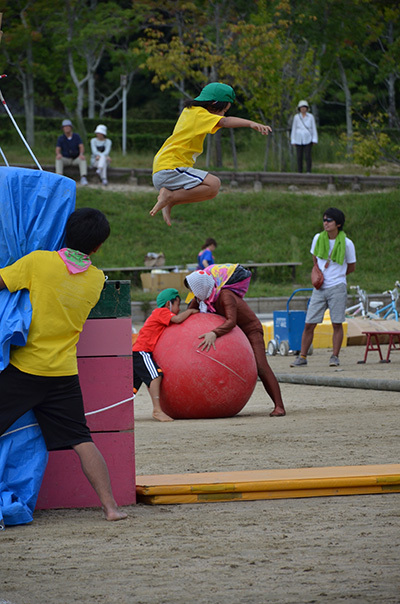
<point>339,249</point>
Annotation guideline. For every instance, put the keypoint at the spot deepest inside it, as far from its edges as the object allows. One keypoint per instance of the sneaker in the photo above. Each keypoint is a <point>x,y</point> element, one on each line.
<point>299,362</point>
<point>104,182</point>
<point>84,181</point>
<point>334,361</point>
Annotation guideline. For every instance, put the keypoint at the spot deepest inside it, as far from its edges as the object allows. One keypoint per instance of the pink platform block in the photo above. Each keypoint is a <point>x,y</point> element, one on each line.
<point>106,338</point>
<point>65,486</point>
<point>104,382</point>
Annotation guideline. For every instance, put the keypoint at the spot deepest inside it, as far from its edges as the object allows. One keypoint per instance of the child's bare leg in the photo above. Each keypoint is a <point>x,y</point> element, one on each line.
<point>95,469</point>
<point>154,391</point>
<point>208,189</point>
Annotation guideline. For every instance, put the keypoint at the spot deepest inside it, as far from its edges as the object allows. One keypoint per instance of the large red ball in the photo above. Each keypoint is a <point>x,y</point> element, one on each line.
<point>198,384</point>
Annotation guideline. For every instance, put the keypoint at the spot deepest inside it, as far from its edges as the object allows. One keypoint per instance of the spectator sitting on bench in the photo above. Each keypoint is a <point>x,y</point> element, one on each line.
<point>70,151</point>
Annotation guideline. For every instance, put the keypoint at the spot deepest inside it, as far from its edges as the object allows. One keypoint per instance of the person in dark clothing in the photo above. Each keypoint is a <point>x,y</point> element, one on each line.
<point>70,151</point>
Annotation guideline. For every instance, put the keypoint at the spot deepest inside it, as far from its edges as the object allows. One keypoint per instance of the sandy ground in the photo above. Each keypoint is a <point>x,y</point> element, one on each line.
<point>321,550</point>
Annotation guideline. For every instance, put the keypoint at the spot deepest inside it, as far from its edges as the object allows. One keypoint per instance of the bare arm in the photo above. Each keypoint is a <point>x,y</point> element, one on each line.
<point>81,151</point>
<point>238,122</point>
<point>58,153</point>
<point>183,315</point>
<point>351,268</point>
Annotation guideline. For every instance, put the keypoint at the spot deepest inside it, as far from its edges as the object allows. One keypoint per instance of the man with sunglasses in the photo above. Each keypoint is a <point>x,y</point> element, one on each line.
<point>336,257</point>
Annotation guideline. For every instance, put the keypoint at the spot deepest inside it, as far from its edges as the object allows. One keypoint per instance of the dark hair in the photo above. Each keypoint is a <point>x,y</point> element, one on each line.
<point>337,216</point>
<point>86,229</point>
<point>212,106</point>
<point>209,241</point>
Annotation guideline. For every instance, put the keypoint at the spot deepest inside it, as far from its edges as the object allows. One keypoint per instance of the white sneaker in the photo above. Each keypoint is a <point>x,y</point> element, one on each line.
<point>84,181</point>
<point>104,182</point>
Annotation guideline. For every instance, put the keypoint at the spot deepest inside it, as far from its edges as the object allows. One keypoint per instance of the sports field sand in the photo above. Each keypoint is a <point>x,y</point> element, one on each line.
<point>333,549</point>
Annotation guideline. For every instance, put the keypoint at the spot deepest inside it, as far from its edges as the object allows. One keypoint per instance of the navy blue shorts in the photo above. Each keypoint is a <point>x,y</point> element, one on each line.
<point>56,402</point>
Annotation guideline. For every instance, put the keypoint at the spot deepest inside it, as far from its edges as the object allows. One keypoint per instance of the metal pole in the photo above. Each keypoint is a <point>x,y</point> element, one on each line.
<point>123,84</point>
<point>16,127</point>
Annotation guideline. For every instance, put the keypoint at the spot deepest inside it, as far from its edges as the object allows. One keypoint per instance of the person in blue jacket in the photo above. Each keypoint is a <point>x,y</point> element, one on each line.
<point>205,256</point>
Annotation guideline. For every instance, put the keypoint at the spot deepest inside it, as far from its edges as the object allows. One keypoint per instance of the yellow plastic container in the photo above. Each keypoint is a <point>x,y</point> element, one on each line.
<point>324,331</point>
<point>268,329</point>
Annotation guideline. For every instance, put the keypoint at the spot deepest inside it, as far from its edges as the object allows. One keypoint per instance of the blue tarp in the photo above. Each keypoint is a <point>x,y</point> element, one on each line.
<point>23,459</point>
<point>34,208</point>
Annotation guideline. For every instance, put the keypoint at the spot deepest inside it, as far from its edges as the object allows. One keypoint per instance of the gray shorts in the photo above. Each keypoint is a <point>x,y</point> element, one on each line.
<point>180,178</point>
<point>334,298</point>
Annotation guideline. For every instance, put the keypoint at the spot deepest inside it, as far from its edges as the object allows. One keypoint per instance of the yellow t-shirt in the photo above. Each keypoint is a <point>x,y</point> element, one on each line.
<point>60,302</point>
<point>185,144</point>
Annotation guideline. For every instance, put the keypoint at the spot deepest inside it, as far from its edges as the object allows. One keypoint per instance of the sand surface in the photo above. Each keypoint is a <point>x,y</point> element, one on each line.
<point>326,549</point>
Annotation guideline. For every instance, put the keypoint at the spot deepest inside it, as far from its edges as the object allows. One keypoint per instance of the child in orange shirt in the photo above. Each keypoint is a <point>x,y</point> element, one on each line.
<point>145,369</point>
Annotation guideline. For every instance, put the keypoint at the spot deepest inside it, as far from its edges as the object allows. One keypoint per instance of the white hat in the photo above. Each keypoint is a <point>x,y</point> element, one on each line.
<point>302,104</point>
<point>101,129</point>
<point>66,123</point>
<point>202,285</point>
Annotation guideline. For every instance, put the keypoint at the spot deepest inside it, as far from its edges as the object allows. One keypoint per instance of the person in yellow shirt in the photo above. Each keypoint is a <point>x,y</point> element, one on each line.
<point>43,375</point>
<point>173,173</point>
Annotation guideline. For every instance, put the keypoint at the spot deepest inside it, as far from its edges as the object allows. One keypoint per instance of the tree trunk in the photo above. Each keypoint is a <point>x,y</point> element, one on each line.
<point>91,95</point>
<point>348,103</point>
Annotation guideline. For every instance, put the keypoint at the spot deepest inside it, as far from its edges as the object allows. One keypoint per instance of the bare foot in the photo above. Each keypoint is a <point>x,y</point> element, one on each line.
<point>161,416</point>
<point>114,514</point>
<point>166,212</point>
<point>162,201</point>
<point>278,412</point>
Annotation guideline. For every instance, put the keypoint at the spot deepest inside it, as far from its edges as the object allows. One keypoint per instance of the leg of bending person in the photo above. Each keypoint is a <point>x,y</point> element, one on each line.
<point>266,374</point>
<point>208,189</point>
<point>95,469</point>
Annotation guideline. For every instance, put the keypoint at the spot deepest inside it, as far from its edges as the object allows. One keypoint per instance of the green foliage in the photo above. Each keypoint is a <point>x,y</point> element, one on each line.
<point>270,226</point>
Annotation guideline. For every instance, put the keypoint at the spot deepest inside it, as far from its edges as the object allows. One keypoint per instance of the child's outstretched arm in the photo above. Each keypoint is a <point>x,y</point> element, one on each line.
<point>184,315</point>
<point>238,122</point>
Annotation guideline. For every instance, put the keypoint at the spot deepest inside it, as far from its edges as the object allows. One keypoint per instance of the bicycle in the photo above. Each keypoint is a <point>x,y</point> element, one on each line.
<point>390,310</point>
<point>362,307</point>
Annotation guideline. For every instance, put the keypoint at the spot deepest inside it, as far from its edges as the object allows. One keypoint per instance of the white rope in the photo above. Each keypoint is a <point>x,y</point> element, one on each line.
<point>18,429</point>
<point>89,413</point>
<point>111,406</point>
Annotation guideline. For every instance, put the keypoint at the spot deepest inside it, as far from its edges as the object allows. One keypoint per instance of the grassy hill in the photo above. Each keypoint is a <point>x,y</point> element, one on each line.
<point>270,226</point>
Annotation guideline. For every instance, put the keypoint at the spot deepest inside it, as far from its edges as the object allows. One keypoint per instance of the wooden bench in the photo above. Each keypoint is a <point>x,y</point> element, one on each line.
<point>253,266</point>
<point>374,344</point>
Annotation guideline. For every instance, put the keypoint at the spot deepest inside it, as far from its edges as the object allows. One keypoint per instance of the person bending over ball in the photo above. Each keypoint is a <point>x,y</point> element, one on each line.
<point>43,375</point>
<point>173,172</point>
<point>220,288</point>
<point>145,369</point>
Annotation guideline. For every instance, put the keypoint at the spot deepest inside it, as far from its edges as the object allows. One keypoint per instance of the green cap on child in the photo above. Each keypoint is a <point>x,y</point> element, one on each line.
<point>216,91</point>
<point>166,296</point>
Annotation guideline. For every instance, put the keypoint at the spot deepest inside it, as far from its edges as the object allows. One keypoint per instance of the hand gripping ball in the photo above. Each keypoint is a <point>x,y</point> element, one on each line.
<point>199,384</point>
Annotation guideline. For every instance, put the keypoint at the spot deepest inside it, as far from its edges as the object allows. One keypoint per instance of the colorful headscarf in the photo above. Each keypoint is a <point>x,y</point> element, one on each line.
<point>76,262</point>
<point>207,284</point>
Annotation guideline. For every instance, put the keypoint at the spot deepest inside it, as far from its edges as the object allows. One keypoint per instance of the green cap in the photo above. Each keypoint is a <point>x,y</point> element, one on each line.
<point>217,92</point>
<point>166,296</point>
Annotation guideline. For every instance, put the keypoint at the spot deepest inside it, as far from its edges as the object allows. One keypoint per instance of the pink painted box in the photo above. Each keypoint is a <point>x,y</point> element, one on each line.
<point>106,338</point>
<point>65,486</point>
<point>106,381</point>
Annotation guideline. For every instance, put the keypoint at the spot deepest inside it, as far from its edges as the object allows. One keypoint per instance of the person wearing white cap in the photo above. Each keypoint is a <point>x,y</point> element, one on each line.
<point>304,135</point>
<point>101,147</point>
<point>70,151</point>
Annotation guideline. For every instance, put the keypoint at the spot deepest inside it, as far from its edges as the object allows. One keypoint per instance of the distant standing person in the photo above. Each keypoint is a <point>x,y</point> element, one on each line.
<point>304,135</point>
<point>70,151</point>
<point>173,172</point>
<point>205,256</point>
<point>101,147</point>
<point>336,257</point>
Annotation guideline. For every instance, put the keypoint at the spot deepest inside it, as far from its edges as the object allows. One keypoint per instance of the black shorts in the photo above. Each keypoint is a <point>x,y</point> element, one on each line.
<point>145,369</point>
<point>56,402</point>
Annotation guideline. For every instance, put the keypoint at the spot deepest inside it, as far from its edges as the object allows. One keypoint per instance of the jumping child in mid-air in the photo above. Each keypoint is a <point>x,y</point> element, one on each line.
<point>173,172</point>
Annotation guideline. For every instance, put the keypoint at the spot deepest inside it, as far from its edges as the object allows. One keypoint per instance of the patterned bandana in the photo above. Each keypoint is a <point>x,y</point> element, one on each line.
<point>207,284</point>
<point>76,262</point>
